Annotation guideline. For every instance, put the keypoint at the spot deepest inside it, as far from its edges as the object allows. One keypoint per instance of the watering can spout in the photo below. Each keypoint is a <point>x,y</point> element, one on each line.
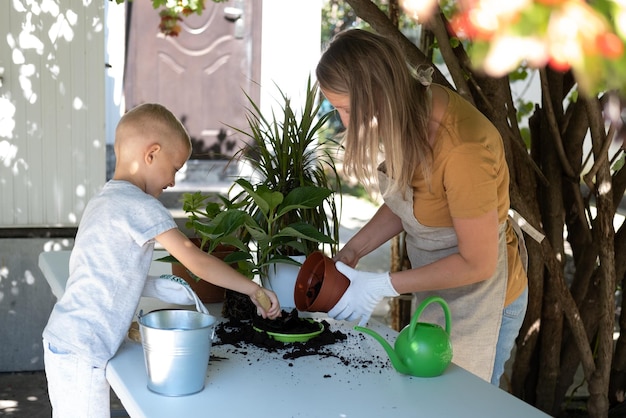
<point>393,356</point>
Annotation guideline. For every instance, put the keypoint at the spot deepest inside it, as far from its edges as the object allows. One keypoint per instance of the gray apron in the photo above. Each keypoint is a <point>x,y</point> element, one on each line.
<point>476,309</point>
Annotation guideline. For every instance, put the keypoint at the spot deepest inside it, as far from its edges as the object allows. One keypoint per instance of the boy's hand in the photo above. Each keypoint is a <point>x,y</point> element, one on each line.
<point>266,303</point>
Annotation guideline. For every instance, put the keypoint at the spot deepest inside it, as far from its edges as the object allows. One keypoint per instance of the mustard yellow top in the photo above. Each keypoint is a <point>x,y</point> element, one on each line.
<point>469,178</point>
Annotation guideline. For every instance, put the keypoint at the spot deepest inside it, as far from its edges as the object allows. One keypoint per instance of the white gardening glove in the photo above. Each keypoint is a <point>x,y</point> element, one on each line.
<point>365,291</point>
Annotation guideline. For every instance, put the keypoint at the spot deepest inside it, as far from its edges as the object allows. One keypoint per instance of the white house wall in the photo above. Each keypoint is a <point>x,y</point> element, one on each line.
<point>290,46</point>
<point>52,154</point>
<point>115,41</point>
<point>52,138</point>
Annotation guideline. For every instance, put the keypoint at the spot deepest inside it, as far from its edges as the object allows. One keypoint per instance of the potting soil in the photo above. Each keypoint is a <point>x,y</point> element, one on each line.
<point>240,333</point>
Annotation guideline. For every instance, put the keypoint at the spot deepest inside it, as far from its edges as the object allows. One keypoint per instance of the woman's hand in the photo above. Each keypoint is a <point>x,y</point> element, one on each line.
<point>365,291</point>
<point>347,256</point>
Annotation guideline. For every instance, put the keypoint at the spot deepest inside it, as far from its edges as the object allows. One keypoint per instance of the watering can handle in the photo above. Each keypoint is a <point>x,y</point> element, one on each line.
<point>422,306</point>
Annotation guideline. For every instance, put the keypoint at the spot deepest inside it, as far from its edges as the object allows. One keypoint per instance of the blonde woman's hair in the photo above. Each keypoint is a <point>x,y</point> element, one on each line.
<point>389,107</point>
<point>152,121</point>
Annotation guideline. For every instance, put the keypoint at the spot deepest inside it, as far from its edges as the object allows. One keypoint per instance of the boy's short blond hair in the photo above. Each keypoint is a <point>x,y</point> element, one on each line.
<point>151,122</point>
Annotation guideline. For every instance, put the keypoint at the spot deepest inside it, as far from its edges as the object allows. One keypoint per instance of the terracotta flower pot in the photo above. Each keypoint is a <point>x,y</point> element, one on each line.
<point>319,285</point>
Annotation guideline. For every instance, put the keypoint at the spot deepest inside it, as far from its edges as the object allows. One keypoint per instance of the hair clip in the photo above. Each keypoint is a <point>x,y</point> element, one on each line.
<point>424,74</point>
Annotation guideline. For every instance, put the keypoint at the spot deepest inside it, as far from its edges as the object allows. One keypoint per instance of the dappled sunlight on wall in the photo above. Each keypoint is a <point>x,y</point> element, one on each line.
<point>7,124</point>
<point>26,300</point>
<point>14,280</point>
<point>57,245</point>
<point>52,134</point>
<point>13,286</point>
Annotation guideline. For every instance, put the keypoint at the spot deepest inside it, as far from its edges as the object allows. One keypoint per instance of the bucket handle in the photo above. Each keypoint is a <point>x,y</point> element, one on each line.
<point>190,292</point>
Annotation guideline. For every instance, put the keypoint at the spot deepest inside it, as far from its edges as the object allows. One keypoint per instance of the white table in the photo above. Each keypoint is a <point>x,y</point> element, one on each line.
<point>249,381</point>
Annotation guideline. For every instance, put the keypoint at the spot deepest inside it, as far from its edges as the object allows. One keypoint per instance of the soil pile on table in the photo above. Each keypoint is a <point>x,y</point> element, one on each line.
<point>241,332</point>
<point>238,331</point>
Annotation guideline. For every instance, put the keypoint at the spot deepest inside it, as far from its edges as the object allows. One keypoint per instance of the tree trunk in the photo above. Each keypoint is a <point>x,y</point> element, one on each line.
<point>599,383</point>
<point>401,305</point>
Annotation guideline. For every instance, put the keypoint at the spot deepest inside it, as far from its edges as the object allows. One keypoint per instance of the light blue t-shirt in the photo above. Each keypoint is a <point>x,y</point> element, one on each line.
<point>109,265</point>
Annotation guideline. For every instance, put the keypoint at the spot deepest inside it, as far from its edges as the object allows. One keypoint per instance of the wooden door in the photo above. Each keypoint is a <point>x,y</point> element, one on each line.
<point>202,74</point>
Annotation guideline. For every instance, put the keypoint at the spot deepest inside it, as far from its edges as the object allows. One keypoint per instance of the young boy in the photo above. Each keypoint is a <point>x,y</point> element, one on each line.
<point>111,258</point>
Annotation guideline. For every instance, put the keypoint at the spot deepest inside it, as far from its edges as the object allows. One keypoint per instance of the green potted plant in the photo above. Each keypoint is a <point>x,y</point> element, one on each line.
<point>284,211</point>
<point>256,243</point>
<point>224,228</point>
<point>217,225</point>
<point>287,155</point>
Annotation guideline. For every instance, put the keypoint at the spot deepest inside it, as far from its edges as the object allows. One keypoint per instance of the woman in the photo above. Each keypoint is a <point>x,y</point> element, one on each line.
<point>444,181</point>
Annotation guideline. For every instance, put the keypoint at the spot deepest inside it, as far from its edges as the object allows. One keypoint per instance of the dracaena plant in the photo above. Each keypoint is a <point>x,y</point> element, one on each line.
<point>285,153</point>
<point>289,209</point>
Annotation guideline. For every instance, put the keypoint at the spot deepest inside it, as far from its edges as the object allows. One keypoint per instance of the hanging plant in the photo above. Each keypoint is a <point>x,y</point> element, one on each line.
<point>172,12</point>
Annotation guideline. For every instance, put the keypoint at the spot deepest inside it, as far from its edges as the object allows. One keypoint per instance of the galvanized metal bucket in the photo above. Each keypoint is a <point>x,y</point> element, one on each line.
<point>177,345</point>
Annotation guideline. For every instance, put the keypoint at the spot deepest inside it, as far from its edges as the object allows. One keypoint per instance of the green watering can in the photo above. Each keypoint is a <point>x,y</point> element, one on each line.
<point>421,349</point>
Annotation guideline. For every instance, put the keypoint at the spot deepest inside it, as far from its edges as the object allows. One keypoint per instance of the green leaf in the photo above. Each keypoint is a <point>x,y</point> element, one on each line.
<point>299,246</point>
<point>265,199</point>
<point>228,240</point>
<point>521,73</point>
<point>304,231</point>
<point>237,256</point>
<point>618,164</point>
<point>258,235</point>
<point>202,228</point>
<point>168,259</point>
<point>272,198</point>
<point>158,3</point>
<point>228,222</point>
<point>304,197</point>
<point>280,259</point>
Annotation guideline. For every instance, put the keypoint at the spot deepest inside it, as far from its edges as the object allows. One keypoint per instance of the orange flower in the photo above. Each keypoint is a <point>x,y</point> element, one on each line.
<point>557,65</point>
<point>609,45</point>
<point>472,25</point>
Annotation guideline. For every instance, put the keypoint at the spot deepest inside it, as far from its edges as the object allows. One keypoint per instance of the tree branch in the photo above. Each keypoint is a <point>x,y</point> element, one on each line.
<point>553,126</point>
<point>438,28</point>
<point>602,159</point>
<point>598,399</point>
<point>370,12</point>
